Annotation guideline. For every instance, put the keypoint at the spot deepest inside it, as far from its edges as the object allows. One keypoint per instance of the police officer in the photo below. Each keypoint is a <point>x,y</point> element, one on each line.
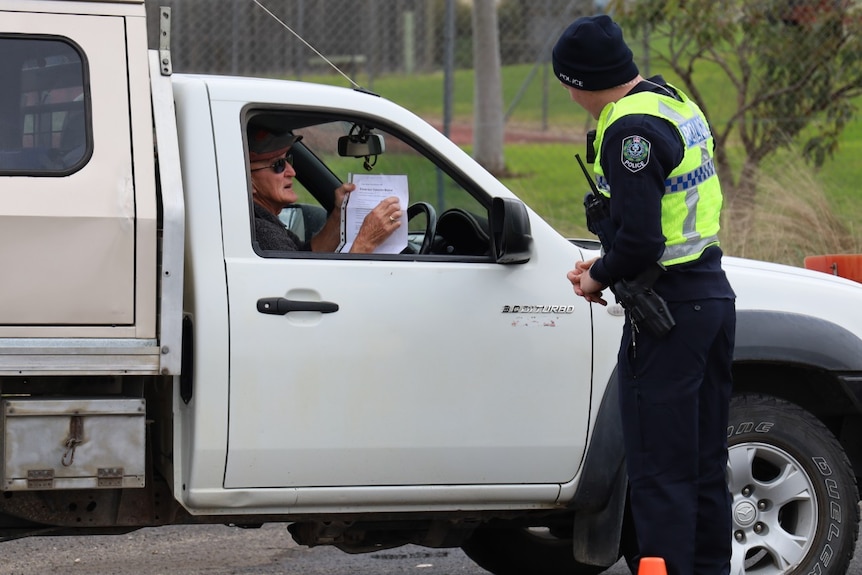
<point>654,160</point>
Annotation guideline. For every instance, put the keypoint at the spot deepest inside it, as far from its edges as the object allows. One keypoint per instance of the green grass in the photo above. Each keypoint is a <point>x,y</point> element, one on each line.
<point>548,179</point>
<point>841,177</point>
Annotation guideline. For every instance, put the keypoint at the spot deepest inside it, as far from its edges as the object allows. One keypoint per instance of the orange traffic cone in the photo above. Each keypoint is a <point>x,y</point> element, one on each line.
<point>652,566</point>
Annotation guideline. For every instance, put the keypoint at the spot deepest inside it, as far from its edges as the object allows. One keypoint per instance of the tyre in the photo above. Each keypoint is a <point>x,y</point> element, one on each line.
<point>516,551</point>
<point>795,503</point>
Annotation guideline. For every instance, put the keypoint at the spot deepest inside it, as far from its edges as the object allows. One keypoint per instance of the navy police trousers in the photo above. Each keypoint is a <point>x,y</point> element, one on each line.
<point>674,396</point>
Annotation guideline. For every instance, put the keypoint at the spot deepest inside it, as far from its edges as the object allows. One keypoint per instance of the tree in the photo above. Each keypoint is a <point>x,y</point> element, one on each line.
<point>789,72</point>
<point>488,127</point>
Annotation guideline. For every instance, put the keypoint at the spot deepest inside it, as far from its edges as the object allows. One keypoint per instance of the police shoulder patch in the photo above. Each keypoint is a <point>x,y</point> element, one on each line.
<point>635,153</point>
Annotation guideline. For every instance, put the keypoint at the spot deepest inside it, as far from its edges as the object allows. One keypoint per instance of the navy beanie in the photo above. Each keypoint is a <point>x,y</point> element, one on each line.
<point>592,55</point>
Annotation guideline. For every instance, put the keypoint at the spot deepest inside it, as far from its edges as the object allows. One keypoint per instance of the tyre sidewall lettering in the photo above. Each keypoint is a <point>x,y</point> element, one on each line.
<point>749,427</point>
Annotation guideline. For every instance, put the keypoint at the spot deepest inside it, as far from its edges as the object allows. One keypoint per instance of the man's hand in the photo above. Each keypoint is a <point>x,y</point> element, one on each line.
<point>584,285</point>
<point>328,238</point>
<point>340,192</point>
<point>378,225</point>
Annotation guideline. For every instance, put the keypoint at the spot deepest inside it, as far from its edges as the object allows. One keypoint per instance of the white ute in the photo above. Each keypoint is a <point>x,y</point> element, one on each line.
<point>157,367</point>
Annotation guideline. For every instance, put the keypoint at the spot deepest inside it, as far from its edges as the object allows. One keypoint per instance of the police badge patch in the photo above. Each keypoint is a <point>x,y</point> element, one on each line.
<point>635,153</point>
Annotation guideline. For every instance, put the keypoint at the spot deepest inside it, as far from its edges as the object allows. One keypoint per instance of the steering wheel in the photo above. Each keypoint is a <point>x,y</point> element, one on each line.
<point>430,226</point>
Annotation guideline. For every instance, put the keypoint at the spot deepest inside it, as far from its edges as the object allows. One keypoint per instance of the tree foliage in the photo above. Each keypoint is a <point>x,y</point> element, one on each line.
<point>792,66</point>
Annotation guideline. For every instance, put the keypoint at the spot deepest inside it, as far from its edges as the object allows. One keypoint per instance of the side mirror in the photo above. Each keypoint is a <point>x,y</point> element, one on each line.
<point>510,231</point>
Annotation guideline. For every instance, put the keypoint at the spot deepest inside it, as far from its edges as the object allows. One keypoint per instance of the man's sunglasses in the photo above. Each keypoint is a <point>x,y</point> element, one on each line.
<point>279,165</point>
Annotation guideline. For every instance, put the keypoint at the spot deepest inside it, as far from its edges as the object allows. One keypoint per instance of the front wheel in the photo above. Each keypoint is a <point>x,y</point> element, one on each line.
<point>795,504</point>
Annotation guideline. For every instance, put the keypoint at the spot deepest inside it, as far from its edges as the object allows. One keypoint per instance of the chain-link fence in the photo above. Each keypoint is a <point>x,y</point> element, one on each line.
<point>244,37</point>
<point>370,40</point>
<point>367,40</point>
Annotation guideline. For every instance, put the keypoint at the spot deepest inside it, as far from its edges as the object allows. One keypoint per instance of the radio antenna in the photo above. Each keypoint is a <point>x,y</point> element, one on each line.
<point>312,48</point>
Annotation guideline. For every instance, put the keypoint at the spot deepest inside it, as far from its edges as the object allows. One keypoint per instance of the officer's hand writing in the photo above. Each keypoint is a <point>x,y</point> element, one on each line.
<point>584,285</point>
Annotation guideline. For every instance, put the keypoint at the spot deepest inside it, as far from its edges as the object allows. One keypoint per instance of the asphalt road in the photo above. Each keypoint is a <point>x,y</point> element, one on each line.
<point>220,550</point>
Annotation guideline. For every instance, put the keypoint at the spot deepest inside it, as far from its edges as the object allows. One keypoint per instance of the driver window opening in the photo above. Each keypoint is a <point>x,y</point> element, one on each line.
<point>442,218</point>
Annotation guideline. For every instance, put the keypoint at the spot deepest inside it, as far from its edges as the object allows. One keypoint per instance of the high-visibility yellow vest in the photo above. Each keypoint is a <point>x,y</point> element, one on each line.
<point>691,205</point>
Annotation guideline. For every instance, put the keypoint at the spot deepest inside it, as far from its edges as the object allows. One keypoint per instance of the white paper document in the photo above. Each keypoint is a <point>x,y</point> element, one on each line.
<point>370,190</point>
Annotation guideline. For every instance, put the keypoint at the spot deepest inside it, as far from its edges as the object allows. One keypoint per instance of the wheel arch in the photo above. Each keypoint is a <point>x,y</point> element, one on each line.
<point>806,360</point>
<point>796,338</point>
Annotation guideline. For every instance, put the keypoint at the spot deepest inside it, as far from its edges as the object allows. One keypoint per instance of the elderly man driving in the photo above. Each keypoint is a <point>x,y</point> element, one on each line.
<point>271,160</point>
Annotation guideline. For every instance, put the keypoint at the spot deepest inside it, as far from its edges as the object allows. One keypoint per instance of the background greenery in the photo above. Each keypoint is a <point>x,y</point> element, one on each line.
<point>399,48</point>
<point>801,211</point>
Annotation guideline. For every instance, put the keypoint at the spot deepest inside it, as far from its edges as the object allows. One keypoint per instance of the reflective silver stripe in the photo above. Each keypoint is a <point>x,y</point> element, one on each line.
<point>689,248</point>
<point>690,179</point>
<point>689,225</point>
<point>693,244</point>
<point>670,112</point>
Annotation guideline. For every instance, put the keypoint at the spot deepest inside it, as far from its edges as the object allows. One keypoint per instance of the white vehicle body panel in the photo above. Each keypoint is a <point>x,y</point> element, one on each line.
<point>765,286</point>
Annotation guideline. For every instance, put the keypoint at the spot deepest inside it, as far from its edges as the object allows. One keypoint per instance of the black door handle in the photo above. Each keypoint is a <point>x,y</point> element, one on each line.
<point>281,306</point>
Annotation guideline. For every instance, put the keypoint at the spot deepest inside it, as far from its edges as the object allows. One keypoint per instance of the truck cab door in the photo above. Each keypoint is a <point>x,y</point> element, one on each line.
<point>440,369</point>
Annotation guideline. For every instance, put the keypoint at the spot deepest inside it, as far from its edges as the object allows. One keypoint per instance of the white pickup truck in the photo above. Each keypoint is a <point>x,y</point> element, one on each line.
<point>157,367</point>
